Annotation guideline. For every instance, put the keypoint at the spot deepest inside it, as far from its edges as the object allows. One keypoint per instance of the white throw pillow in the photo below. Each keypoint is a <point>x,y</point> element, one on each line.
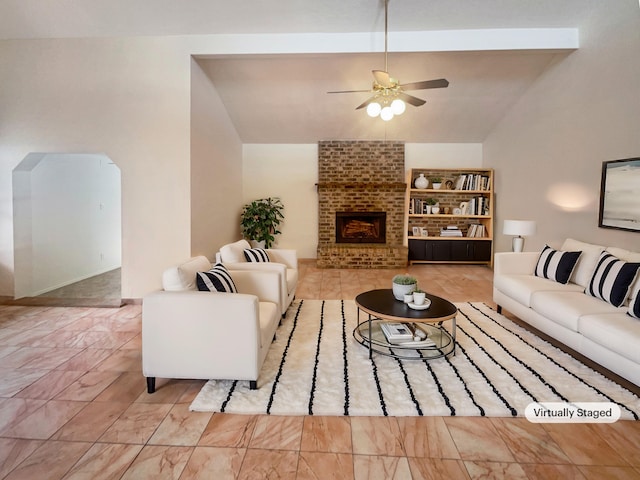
<point>183,276</point>
<point>587,261</point>
<point>234,252</point>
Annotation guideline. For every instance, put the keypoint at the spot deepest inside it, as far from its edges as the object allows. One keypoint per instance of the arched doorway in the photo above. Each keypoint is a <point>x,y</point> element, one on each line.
<point>67,230</point>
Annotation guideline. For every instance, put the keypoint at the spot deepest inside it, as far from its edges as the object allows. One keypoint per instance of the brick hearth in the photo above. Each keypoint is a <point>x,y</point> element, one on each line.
<point>361,176</point>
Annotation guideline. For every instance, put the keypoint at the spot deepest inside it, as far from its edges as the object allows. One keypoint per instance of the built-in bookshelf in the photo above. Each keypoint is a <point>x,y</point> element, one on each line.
<point>451,223</point>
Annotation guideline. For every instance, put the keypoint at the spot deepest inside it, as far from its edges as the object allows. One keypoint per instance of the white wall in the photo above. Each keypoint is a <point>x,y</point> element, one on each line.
<point>216,169</point>
<point>291,172</point>
<point>128,98</point>
<point>548,151</point>
<point>67,220</point>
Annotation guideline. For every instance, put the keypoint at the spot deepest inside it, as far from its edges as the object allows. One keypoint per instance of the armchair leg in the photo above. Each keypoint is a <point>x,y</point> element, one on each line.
<point>253,384</point>
<point>151,384</point>
<point>499,309</point>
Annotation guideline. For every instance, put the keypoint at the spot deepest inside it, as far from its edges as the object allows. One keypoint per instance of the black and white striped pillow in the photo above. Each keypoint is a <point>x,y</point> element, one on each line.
<point>634,307</point>
<point>256,255</point>
<point>556,265</point>
<point>612,279</point>
<point>218,279</point>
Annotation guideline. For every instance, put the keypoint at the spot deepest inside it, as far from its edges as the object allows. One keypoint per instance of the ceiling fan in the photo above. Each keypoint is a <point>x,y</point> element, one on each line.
<point>388,94</point>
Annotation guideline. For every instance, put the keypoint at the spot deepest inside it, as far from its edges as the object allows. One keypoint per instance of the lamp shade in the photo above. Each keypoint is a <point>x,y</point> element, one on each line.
<point>523,228</point>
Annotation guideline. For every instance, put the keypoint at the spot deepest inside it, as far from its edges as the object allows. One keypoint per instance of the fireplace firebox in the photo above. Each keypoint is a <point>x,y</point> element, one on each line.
<point>361,227</point>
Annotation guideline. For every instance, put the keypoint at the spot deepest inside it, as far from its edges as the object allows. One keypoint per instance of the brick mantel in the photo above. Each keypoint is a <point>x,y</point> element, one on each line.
<point>361,176</point>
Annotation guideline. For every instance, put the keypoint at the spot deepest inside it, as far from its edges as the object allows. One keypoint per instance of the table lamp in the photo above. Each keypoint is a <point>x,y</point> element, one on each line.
<point>518,228</point>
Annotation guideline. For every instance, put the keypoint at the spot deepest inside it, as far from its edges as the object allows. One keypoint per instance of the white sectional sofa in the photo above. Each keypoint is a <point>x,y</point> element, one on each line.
<point>187,333</point>
<point>606,334</point>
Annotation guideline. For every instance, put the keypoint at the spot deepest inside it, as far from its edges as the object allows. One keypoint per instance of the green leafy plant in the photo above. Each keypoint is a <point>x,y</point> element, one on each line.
<point>260,220</point>
<point>405,280</point>
<point>431,201</point>
<point>417,290</point>
<point>436,180</point>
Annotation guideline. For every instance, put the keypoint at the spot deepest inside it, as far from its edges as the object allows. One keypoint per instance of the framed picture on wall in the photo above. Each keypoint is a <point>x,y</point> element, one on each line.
<point>620,195</point>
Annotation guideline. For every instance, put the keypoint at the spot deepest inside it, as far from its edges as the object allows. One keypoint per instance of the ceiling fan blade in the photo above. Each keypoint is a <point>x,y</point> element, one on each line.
<point>382,78</point>
<point>367,102</point>
<point>410,99</point>
<point>439,83</point>
<point>351,91</point>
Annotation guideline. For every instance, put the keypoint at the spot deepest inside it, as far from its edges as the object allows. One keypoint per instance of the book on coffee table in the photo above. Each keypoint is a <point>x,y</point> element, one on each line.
<point>396,332</point>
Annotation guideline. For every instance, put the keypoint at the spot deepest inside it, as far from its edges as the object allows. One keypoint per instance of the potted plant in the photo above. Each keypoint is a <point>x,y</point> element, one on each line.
<point>403,285</point>
<point>260,220</point>
<point>436,182</point>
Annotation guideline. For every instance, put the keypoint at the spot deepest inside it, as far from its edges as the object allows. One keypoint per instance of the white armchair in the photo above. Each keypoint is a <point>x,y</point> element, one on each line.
<point>187,333</point>
<point>282,261</point>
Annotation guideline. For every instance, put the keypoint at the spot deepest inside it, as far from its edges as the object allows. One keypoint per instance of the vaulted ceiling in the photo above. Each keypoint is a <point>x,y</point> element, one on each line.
<point>281,97</point>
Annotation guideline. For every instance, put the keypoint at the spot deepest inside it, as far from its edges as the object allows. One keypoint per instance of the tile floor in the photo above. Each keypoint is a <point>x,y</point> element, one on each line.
<point>73,405</point>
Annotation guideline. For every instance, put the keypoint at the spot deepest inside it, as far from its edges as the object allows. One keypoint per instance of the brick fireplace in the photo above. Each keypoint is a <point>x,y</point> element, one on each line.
<point>361,190</point>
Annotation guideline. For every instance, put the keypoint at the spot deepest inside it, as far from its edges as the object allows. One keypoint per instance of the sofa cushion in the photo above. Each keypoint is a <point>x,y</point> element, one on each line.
<point>616,331</point>
<point>566,308</point>
<point>256,255</point>
<point>218,279</point>
<point>234,252</point>
<point>556,265</point>
<point>587,261</point>
<point>612,279</point>
<point>183,276</point>
<point>521,287</point>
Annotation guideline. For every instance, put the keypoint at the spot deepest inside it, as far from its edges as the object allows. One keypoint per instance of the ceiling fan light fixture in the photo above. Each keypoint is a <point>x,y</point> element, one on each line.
<point>373,109</point>
<point>398,107</point>
<point>386,114</point>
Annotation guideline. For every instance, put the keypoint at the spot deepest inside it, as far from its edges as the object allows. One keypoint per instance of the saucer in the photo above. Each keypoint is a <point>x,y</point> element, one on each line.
<point>424,306</point>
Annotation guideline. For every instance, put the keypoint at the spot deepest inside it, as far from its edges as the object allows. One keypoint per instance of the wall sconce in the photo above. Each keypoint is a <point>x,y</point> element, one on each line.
<point>518,228</point>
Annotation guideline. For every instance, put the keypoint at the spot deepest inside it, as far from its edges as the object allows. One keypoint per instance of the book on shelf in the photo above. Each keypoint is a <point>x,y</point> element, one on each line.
<point>476,230</point>
<point>450,231</point>
<point>472,181</point>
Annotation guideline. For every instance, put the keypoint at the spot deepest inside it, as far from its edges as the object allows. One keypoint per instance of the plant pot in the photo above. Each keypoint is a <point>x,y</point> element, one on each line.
<point>436,186</point>
<point>399,291</point>
<point>419,298</point>
<point>435,210</point>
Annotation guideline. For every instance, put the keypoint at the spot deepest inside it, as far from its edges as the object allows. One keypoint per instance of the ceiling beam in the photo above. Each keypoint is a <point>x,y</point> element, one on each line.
<point>422,41</point>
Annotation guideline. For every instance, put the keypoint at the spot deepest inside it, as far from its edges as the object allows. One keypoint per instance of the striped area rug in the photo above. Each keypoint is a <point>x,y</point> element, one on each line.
<point>315,367</point>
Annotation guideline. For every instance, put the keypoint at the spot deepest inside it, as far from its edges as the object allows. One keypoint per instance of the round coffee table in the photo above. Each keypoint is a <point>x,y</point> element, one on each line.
<point>382,307</point>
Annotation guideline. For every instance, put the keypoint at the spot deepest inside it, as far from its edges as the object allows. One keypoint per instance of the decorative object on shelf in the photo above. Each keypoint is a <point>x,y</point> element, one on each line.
<point>457,211</point>
<point>421,182</point>
<point>448,185</point>
<point>435,209</point>
<point>260,219</point>
<point>518,228</point>
<point>436,183</point>
<point>403,285</point>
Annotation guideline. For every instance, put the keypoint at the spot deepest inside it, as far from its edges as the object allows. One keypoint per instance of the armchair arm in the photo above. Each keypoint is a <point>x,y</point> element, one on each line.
<point>509,263</point>
<point>285,256</point>
<point>263,284</point>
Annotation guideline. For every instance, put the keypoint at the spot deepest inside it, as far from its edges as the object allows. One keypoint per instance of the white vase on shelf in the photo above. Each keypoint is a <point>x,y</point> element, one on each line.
<point>421,182</point>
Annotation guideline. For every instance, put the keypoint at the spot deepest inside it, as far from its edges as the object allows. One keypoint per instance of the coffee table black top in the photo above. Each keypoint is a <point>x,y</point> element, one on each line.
<point>382,304</point>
